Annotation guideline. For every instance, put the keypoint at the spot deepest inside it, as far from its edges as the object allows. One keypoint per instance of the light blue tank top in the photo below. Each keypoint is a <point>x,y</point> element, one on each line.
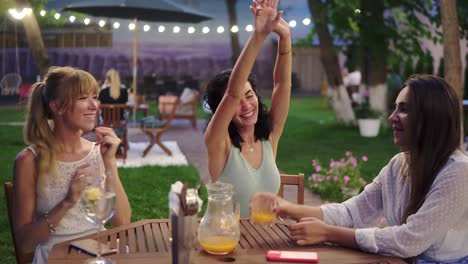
<point>248,180</point>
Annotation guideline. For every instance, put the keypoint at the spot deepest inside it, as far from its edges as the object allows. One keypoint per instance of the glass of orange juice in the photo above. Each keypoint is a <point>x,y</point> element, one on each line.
<point>261,209</point>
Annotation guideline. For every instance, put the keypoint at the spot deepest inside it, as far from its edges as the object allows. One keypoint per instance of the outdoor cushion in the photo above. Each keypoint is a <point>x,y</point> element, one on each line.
<point>152,122</point>
<point>187,96</point>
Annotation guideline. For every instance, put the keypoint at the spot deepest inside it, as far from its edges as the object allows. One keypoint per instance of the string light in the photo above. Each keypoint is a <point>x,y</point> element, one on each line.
<point>176,29</point>
<point>357,11</point>
<point>19,15</point>
<point>292,23</point>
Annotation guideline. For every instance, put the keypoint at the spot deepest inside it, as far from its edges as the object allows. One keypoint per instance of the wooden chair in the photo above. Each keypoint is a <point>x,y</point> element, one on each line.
<point>186,109</point>
<point>20,257</point>
<point>154,128</point>
<point>298,180</point>
<point>115,116</point>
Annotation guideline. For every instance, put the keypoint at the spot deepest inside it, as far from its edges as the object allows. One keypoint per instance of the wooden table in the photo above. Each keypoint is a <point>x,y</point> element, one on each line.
<point>148,242</point>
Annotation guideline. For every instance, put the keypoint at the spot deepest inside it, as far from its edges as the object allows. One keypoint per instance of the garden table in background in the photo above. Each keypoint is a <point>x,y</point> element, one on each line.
<point>148,242</point>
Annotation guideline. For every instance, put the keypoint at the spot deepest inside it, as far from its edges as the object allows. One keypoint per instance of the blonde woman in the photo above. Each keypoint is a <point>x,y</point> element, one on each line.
<point>113,92</point>
<point>47,185</point>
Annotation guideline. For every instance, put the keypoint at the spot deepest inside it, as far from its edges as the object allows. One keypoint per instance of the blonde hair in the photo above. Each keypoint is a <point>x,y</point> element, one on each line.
<point>113,79</point>
<point>63,85</point>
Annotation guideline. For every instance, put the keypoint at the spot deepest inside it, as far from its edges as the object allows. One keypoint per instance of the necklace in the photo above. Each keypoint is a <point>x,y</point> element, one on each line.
<point>251,148</point>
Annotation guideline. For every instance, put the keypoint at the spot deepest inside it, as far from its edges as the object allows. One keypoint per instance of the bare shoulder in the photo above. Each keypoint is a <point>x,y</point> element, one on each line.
<point>25,164</point>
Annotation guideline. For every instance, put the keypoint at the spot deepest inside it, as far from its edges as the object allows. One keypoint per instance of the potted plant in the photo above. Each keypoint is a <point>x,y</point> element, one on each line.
<point>339,181</point>
<point>368,119</point>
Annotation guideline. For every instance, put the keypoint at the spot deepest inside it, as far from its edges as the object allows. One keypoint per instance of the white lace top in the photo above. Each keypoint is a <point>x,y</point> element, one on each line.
<point>54,190</point>
<point>437,231</point>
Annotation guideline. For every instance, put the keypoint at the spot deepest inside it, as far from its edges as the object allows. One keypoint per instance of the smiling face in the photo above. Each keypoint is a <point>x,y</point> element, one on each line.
<point>82,114</point>
<point>399,119</point>
<point>247,111</point>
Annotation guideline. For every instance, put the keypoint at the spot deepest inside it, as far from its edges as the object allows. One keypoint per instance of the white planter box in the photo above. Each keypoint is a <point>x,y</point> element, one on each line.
<point>369,127</point>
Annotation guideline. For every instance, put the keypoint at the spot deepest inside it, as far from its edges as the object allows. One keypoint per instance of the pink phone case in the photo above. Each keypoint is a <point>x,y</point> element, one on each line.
<point>292,256</point>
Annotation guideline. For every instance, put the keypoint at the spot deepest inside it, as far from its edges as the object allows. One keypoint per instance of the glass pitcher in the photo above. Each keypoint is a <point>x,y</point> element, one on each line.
<point>218,232</point>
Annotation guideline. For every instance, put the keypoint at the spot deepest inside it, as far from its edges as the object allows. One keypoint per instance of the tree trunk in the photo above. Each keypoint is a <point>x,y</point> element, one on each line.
<point>235,46</point>
<point>374,50</point>
<point>451,41</point>
<point>340,100</point>
<point>34,39</point>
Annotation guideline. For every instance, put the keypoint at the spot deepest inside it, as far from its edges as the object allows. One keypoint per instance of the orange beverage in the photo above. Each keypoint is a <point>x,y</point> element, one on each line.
<point>263,218</point>
<point>219,245</point>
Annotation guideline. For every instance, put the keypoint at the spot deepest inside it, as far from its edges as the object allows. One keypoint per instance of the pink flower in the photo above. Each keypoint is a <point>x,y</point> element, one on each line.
<point>314,176</point>
<point>347,153</point>
<point>314,162</point>
<point>364,158</point>
<point>318,168</point>
<point>335,179</point>
<point>353,161</point>
<point>315,185</point>
<point>328,178</point>
<point>346,179</point>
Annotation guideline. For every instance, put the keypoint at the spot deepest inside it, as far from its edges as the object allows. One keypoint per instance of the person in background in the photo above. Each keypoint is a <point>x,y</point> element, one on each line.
<point>421,192</point>
<point>47,174</point>
<point>242,136</point>
<point>113,92</point>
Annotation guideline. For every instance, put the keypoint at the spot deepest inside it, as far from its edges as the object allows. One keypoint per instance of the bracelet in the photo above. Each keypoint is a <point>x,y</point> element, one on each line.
<point>284,53</point>
<point>51,227</point>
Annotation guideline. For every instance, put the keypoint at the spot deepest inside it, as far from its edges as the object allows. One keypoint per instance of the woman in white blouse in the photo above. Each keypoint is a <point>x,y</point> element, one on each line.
<point>422,192</point>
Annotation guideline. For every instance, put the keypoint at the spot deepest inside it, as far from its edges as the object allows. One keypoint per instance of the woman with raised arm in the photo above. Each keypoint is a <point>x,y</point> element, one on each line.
<point>47,182</point>
<point>421,193</point>
<point>242,136</point>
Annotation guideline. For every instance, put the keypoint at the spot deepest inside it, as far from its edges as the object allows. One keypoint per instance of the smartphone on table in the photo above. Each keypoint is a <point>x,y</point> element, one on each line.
<point>91,247</point>
<point>292,256</point>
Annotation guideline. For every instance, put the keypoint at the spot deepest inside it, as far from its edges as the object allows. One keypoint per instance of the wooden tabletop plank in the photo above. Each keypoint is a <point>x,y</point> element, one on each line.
<point>122,242</point>
<point>159,238</point>
<point>113,240</point>
<point>147,228</point>
<point>131,241</point>
<point>245,232</point>
<point>243,243</point>
<point>166,235</point>
<point>141,242</point>
<point>259,234</point>
<point>285,239</point>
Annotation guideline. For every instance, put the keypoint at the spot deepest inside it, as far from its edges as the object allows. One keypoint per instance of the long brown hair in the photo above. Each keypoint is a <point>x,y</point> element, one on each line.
<point>434,133</point>
<point>64,85</point>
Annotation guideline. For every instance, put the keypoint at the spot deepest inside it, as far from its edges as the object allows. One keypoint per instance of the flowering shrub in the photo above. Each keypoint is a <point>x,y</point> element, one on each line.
<point>340,181</point>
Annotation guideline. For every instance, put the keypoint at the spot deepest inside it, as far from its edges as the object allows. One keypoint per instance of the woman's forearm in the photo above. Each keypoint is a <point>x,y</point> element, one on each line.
<point>342,235</point>
<point>297,212</point>
<point>30,235</point>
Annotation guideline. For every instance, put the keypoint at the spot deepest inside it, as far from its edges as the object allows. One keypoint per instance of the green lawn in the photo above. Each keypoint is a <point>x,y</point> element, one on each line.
<point>310,133</point>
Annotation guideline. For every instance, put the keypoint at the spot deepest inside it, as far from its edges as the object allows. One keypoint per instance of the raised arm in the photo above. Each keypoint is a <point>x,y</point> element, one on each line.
<point>217,137</point>
<point>282,82</point>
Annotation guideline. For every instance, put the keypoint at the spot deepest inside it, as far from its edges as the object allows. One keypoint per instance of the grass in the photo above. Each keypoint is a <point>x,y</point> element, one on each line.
<point>310,133</point>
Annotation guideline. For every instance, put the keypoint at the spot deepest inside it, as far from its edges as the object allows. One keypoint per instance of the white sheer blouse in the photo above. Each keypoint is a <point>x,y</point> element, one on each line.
<point>439,229</point>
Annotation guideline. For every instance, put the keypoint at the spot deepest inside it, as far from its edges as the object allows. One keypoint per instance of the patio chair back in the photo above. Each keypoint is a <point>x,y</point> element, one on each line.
<point>297,180</point>
<point>115,116</point>
<point>20,257</point>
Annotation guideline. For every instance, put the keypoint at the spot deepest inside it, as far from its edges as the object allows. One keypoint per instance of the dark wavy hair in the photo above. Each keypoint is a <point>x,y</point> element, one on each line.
<point>434,134</point>
<point>215,91</point>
